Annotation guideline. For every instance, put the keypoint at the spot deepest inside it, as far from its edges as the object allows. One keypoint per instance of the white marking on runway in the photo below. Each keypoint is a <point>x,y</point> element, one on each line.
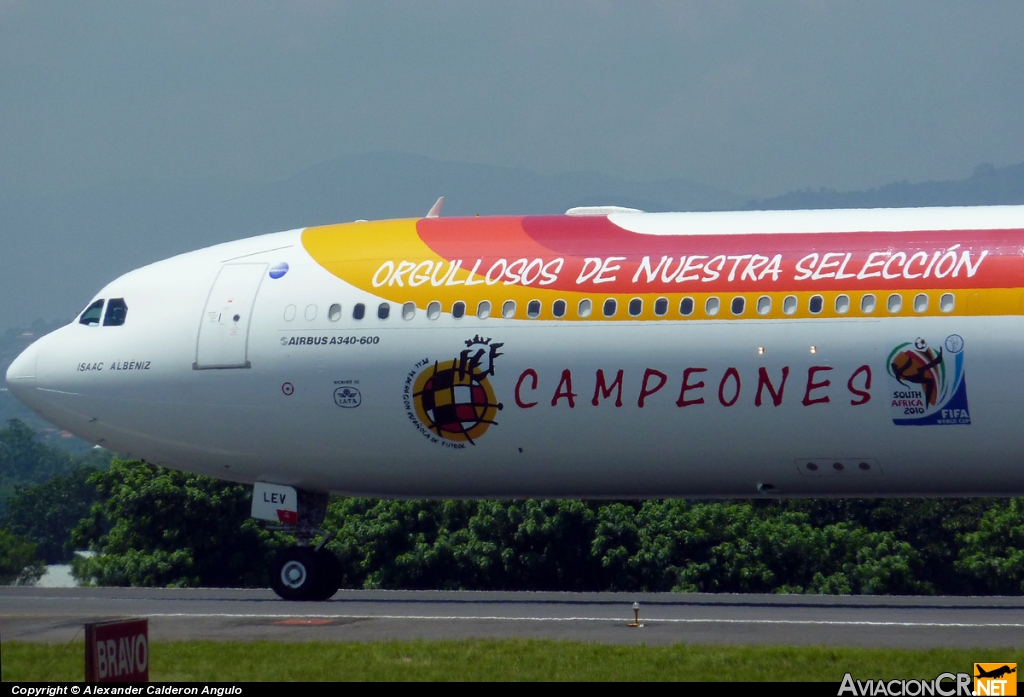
<point>653,620</point>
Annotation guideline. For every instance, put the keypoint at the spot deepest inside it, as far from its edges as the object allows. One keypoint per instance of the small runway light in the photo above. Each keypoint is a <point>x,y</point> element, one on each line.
<point>760,350</point>
<point>636,616</point>
<point>814,349</point>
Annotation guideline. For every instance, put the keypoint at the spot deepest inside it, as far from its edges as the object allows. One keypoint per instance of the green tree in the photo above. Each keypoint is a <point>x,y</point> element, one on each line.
<point>934,528</point>
<point>47,513</point>
<point>745,550</point>
<point>24,461</point>
<point>992,557</point>
<point>650,545</point>
<point>18,563</point>
<point>512,545</point>
<point>156,527</point>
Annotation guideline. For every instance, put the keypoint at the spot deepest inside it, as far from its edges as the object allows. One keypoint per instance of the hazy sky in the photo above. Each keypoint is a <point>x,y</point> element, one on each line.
<point>755,97</point>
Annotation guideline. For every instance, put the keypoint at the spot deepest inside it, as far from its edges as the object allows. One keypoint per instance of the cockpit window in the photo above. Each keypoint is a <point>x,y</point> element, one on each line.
<point>117,310</point>
<point>92,314</point>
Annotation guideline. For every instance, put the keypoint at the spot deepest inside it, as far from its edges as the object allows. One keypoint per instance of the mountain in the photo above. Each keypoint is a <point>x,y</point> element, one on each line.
<point>385,185</point>
<point>987,186</point>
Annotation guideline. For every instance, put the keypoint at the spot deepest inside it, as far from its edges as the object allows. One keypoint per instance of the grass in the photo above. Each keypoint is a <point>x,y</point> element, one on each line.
<point>498,660</point>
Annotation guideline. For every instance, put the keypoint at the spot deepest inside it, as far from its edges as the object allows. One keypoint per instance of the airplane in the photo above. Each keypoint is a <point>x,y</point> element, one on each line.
<point>604,353</point>
<point>995,672</point>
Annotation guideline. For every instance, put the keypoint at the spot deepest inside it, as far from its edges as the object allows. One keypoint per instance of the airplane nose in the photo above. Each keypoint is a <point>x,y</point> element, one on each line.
<point>21,375</point>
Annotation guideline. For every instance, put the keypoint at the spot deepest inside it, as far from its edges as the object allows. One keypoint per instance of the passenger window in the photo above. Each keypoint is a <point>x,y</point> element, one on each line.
<point>895,303</point>
<point>947,302</point>
<point>739,304</point>
<point>686,307</point>
<point>310,313</point>
<point>508,310</point>
<point>585,307</point>
<point>433,310</point>
<point>358,311</point>
<point>842,304</point>
<point>636,306</point>
<point>483,309</point>
<point>558,308</point>
<point>764,305</point>
<point>661,307</point>
<point>91,316</point>
<point>789,305</point>
<point>116,313</point>
<point>610,307</point>
<point>408,310</point>
<point>383,310</point>
<point>533,309</point>
<point>334,312</point>
<point>816,304</point>
<point>711,306</point>
<point>459,310</point>
<point>867,304</point>
<point>920,303</point>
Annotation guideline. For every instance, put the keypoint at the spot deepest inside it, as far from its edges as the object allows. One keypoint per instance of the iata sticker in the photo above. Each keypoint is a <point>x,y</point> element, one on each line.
<point>929,387</point>
<point>348,397</point>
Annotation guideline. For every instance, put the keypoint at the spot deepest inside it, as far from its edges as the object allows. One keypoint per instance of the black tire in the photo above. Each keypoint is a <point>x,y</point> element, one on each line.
<point>329,573</point>
<point>295,574</point>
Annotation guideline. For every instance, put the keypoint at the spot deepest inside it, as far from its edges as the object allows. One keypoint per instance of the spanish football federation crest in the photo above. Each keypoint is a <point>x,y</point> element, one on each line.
<point>452,402</point>
<point>929,388</point>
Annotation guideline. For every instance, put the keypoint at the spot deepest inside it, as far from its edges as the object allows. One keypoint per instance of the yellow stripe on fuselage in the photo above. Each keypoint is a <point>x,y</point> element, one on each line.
<point>355,252</point>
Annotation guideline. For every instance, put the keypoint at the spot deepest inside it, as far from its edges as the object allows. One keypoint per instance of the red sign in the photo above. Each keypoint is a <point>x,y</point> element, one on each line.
<point>117,651</point>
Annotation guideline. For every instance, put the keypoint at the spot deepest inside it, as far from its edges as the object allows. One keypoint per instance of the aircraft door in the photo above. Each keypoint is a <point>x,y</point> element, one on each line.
<point>224,328</point>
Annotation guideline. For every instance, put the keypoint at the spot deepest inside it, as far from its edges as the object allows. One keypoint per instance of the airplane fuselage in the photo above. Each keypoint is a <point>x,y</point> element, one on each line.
<point>807,353</point>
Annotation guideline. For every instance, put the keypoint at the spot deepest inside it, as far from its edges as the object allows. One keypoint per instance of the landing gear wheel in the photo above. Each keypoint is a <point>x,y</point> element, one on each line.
<point>295,574</point>
<point>329,572</point>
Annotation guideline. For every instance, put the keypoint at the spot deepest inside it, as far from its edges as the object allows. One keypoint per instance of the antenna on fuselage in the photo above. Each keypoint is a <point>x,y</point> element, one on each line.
<point>435,210</point>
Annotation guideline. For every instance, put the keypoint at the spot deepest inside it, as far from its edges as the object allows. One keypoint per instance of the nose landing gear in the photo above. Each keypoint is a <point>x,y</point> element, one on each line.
<point>304,571</point>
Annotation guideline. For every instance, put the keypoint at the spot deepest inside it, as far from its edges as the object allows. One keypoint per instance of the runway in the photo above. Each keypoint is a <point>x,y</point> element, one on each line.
<point>58,614</point>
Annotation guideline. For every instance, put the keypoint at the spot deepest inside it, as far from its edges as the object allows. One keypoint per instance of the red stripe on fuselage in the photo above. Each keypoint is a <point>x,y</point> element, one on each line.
<point>592,248</point>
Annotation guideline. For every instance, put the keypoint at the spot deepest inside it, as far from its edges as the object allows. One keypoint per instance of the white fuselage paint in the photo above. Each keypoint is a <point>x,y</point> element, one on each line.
<point>135,389</point>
